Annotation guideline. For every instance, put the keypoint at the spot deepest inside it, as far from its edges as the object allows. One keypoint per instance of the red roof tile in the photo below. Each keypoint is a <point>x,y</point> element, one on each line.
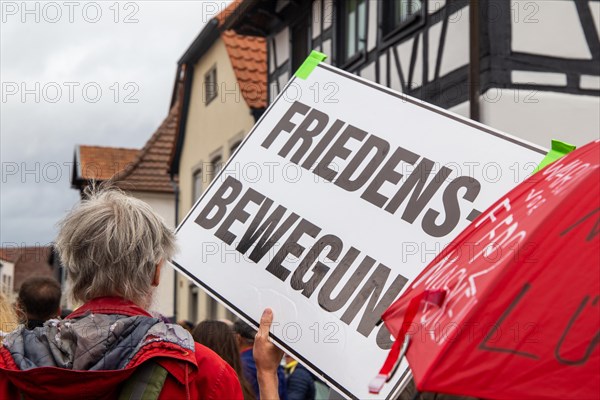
<point>100,163</point>
<point>150,169</point>
<point>29,262</point>
<point>230,9</point>
<point>248,55</point>
<point>9,254</point>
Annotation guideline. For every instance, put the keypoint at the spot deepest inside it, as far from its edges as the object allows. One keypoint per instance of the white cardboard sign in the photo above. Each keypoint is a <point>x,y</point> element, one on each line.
<point>341,194</point>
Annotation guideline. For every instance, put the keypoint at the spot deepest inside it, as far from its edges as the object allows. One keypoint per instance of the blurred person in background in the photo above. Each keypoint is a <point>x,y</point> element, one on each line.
<point>218,336</point>
<point>187,325</point>
<point>245,336</point>
<point>38,301</point>
<point>113,247</point>
<point>8,317</point>
<point>302,384</point>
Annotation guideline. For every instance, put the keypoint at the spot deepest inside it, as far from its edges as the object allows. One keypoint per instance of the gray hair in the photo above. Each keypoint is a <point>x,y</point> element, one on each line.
<point>110,245</point>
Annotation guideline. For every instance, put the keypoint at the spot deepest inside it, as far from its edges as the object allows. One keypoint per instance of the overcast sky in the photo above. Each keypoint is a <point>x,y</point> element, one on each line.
<point>49,53</point>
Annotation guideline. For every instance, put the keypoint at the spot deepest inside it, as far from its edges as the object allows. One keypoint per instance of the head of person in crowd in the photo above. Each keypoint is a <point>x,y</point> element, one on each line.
<point>39,300</point>
<point>244,334</point>
<point>218,336</point>
<point>113,247</point>
<point>113,244</point>
<point>8,317</point>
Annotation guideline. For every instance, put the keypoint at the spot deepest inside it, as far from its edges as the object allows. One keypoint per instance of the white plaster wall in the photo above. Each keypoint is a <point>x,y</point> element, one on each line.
<point>372,25</point>
<point>461,109</point>
<point>394,74</point>
<point>405,54</point>
<point>283,80</point>
<point>590,82</point>
<point>435,5</point>
<point>316,18</point>
<point>595,10</point>
<point>368,72</point>
<point>540,117</point>
<point>8,271</point>
<point>456,47</point>
<point>539,78</point>
<point>328,13</point>
<point>382,68</point>
<point>164,205</point>
<point>435,33</point>
<point>271,56</point>
<point>549,28</point>
<point>273,92</point>
<point>282,46</point>
<point>404,50</point>
<point>326,49</point>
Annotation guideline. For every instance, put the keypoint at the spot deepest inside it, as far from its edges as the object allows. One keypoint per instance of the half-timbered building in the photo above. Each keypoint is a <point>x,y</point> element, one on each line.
<point>529,68</point>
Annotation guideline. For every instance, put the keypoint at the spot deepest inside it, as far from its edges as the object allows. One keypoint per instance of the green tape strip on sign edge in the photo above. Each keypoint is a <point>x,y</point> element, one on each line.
<point>558,150</point>
<point>311,62</point>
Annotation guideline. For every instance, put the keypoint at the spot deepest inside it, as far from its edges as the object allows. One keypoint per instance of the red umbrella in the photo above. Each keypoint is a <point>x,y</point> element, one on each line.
<point>511,309</point>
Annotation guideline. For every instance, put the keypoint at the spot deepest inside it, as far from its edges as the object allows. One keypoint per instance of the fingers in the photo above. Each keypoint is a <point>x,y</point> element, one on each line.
<point>265,323</point>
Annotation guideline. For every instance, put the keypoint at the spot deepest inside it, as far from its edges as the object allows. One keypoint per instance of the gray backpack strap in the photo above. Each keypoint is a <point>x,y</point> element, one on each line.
<point>145,383</point>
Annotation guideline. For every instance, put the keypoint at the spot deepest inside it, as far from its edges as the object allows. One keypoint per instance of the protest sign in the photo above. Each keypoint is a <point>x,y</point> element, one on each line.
<point>341,194</point>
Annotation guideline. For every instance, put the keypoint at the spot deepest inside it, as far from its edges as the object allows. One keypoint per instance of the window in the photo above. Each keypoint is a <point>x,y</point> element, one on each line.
<point>234,147</point>
<point>399,13</point>
<point>354,28</point>
<point>216,164</point>
<point>197,184</point>
<point>193,303</point>
<point>210,85</point>
<point>212,308</point>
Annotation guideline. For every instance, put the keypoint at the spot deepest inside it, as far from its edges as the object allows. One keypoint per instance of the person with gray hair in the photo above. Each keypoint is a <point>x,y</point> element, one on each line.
<point>113,247</point>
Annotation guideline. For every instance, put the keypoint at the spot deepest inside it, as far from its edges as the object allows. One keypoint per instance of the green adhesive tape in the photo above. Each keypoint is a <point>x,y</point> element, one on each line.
<point>311,62</point>
<point>559,149</point>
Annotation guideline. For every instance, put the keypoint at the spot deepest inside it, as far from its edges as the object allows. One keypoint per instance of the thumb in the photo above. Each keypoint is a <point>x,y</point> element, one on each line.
<point>265,322</point>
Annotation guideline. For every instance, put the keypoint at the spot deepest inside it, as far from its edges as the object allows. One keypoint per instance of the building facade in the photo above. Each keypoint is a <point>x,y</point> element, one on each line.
<point>224,76</point>
<point>19,263</point>
<point>143,173</point>
<point>531,69</point>
<point>7,278</point>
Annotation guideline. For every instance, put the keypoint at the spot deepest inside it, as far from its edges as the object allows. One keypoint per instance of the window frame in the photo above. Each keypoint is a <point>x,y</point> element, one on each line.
<point>193,300</point>
<point>235,142</point>
<point>359,55</point>
<point>212,307</point>
<point>210,96</point>
<point>301,25</point>
<point>197,172</point>
<point>388,28</point>
<point>214,160</point>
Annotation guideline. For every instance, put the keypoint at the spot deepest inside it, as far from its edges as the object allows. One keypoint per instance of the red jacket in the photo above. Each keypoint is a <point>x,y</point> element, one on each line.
<point>192,374</point>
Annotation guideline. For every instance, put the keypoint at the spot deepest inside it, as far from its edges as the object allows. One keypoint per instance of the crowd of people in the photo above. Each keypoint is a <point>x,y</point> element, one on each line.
<point>112,347</point>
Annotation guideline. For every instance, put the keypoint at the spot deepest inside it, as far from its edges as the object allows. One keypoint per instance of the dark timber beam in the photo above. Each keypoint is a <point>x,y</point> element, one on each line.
<point>474,60</point>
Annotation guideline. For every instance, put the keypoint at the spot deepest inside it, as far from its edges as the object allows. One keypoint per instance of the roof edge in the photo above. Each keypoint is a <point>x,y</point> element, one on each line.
<point>235,17</point>
<point>207,36</point>
<point>182,124</point>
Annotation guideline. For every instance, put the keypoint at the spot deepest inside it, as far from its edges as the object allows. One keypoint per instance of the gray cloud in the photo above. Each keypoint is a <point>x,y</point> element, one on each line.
<point>38,131</point>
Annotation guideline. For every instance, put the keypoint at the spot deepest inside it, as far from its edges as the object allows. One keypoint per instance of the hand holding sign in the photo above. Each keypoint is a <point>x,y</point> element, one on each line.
<point>267,357</point>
